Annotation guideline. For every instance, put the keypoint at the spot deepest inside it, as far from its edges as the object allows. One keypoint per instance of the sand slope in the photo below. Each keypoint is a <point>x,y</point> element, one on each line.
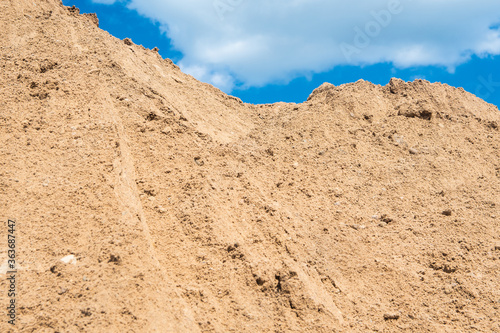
<point>190,211</point>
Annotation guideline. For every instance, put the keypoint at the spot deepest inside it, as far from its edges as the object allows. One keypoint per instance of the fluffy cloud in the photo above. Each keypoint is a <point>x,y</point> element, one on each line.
<point>253,43</point>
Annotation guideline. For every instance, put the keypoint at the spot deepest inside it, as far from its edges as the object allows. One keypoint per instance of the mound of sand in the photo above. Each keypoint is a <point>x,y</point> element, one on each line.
<point>177,208</point>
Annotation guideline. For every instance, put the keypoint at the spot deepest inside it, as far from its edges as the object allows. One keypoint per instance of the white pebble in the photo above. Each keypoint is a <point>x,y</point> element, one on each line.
<point>71,259</point>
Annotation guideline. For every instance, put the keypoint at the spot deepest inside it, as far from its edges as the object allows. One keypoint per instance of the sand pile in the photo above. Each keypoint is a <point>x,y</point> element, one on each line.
<point>177,208</point>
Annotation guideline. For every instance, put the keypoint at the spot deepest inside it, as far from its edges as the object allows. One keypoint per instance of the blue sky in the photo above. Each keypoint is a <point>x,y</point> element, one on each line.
<point>266,51</point>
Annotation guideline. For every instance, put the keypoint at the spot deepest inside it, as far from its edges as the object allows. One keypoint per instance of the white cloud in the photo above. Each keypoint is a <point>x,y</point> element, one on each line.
<point>256,42</point>
<point>221,79</point>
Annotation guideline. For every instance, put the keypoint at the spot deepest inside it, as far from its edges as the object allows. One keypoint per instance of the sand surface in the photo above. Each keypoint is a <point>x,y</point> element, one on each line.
<point>366,208</point>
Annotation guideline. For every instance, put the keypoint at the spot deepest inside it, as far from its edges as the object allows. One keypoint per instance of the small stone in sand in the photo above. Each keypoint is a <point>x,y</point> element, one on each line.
<point>392,316</point>
<point>447,212</point>
<point>71,259</point>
